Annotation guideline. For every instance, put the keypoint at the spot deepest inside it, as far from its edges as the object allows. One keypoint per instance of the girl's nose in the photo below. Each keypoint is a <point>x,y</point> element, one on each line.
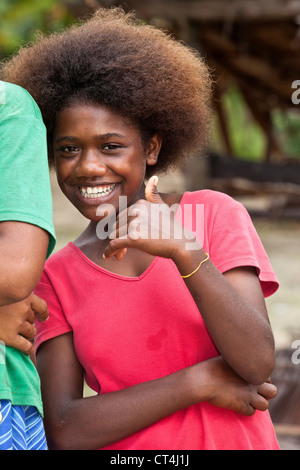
<point>91,163</point>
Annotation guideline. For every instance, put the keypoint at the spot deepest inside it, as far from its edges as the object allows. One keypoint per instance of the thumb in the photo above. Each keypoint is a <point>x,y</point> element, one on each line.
<point>151,192</point>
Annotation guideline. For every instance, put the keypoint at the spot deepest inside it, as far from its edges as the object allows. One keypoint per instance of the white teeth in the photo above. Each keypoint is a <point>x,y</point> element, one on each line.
<point>96,191</point>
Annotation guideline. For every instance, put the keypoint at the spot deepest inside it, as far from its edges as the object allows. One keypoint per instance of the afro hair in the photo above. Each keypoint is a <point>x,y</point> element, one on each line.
<point>161,85</point>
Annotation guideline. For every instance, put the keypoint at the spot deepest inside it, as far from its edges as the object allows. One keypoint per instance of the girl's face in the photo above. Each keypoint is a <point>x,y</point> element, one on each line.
<point>99,156</point>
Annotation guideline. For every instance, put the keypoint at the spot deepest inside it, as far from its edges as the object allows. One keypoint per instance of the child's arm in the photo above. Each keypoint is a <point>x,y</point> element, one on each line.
<point>231,304</point>
<point>73,422</point>
<point>23,250</point>
<point>233,308</point>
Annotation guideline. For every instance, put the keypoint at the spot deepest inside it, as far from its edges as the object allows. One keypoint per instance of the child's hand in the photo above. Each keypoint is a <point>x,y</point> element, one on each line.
<point>17,322</point>
<point>148,225</point>
<point>226,389</point>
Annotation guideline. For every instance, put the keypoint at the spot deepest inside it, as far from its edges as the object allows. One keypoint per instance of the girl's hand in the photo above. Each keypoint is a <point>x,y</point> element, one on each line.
<point>148,225</point>
<point>17,322</point>
<point>226,389</point>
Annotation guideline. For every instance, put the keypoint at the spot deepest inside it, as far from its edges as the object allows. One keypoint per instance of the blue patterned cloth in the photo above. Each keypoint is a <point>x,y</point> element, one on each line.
<point>21,428</point>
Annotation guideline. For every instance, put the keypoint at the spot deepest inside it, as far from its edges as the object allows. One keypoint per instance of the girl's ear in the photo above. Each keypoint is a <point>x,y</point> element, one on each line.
<point>153,149</point>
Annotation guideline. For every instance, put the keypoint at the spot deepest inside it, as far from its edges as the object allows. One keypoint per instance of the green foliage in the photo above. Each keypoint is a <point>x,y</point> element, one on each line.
<point>246,137</point>
<point>287,127</point>
<point>21,19</point>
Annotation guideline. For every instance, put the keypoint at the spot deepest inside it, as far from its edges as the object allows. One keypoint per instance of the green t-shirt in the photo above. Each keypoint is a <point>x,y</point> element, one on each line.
<point>25,196</point>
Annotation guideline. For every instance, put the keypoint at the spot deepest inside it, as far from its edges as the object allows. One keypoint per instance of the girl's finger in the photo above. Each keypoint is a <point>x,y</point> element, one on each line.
<point>260,403</point>
<point>115,246</point>
<point>120,254</point>
<point>267,390</point>
<point>122,219</point>
<point>119,231</point>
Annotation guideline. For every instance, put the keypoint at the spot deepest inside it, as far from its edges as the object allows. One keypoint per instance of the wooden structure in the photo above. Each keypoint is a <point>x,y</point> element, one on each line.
<point>253,43</point>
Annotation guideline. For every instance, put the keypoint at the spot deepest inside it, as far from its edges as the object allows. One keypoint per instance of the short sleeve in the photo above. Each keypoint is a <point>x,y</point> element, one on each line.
<point>230,237</point>
<point>56,324</point>
<point>25,181</point>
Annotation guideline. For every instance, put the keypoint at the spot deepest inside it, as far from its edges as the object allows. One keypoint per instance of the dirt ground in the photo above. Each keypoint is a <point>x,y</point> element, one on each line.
<point>281,239</point>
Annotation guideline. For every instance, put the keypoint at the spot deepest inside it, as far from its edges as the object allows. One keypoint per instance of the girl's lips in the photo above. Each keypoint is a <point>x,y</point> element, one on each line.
<point>95,195</point>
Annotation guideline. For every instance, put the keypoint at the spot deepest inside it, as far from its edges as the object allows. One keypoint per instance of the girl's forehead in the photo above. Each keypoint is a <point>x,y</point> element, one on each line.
<point>90,110</point>
<point>87,117</point>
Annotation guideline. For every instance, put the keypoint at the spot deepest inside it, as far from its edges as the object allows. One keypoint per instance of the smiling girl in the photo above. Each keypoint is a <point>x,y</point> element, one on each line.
<point>176,342</point>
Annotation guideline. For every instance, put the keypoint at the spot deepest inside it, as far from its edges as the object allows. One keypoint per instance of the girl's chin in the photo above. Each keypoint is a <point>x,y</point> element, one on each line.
<point>104,214</point>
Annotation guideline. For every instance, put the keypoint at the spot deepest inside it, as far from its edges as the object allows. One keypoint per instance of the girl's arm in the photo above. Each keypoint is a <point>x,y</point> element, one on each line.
<point>231,304</point>
<point>233,308</point>
<point>73,422</point>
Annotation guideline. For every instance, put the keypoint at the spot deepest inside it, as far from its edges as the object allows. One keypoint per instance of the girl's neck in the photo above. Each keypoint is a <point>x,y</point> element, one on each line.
<point>133,264</point>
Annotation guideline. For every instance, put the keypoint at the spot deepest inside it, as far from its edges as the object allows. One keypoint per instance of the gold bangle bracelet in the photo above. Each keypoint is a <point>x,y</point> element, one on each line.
<point>198,267</point>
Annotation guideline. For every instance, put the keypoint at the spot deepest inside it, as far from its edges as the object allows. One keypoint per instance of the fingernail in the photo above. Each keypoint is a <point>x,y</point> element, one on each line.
<point>155,180</point>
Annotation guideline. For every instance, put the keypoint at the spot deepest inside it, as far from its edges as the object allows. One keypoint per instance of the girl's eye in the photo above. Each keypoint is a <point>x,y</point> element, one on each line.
<point>111,147</point>
<point>69,149</point>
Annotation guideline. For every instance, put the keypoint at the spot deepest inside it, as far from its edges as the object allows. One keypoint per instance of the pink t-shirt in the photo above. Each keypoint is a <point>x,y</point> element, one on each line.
<point>131,330</point>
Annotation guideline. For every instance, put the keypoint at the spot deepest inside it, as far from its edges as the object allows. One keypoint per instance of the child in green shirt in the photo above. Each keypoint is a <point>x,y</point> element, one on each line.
<point>26,239</point>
